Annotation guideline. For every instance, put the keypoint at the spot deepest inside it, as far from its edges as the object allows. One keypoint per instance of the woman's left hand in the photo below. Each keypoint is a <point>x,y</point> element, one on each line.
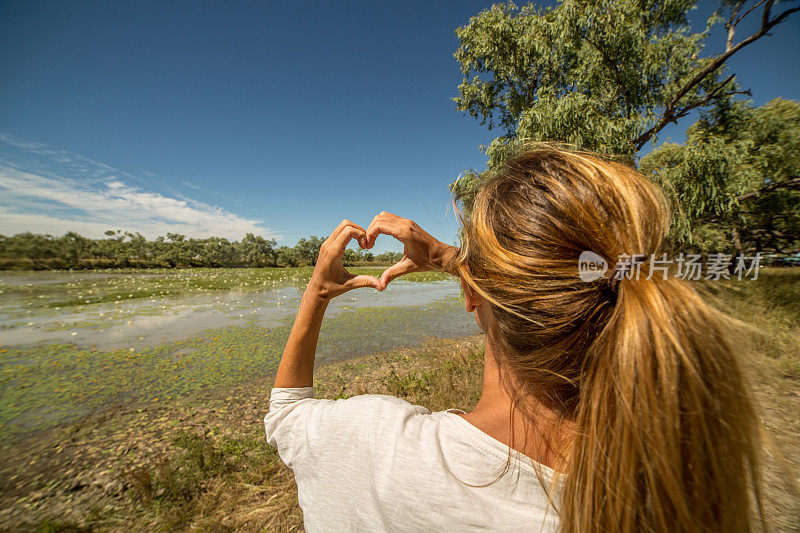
<point>330,278</point>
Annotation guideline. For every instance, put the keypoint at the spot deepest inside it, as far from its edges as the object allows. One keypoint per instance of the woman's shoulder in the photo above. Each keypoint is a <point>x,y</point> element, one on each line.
<point>362,412</point>
<point>368,403</point>
<point>382,400</point>
<point>379,411</point>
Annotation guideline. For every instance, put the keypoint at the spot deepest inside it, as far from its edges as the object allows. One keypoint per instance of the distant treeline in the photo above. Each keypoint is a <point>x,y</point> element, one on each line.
<point>131,250</point>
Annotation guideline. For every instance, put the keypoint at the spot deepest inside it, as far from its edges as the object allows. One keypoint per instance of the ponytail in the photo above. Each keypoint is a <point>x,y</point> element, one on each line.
<point>666,436</point>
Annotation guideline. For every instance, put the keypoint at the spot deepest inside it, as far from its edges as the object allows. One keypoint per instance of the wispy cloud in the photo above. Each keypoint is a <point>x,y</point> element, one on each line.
<point>50,191</point>
<point>228,197</point>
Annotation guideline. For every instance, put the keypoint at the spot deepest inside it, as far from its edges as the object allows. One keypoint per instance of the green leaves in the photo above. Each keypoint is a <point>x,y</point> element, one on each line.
<point>735,173</point>
<point>608,76</point>
<point>588,73</point>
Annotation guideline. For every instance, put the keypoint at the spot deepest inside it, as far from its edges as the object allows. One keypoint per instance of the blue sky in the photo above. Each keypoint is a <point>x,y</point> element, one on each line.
<point>278,118</point>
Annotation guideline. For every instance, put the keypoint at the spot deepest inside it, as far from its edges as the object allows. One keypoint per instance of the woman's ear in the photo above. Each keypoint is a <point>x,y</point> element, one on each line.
<point>471,298</point>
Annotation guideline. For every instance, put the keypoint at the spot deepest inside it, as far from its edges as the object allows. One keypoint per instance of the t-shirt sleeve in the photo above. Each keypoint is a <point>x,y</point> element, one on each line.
<point>307,431</point>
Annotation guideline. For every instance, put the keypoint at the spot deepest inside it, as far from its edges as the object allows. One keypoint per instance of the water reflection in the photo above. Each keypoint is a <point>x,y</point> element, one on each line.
<point>146,322</point>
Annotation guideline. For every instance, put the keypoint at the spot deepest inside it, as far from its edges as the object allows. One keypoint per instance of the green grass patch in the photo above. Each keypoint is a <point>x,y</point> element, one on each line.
<point>43,385</point>
<point>769,313</point>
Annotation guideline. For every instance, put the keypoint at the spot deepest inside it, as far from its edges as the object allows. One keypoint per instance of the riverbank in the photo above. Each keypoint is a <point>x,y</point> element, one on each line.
<point>201,462</point>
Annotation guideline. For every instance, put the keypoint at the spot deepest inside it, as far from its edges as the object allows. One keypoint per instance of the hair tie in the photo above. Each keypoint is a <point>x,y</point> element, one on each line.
<point>623,268</point>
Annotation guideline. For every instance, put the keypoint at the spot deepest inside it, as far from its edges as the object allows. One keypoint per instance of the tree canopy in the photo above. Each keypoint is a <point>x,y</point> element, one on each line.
<point>126,249</point>
<point>736,179</point>
<point>608,76</point>
<point>600,75</point>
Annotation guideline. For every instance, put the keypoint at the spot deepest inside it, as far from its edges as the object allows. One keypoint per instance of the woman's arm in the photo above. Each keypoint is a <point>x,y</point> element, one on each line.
<point>329,279</point>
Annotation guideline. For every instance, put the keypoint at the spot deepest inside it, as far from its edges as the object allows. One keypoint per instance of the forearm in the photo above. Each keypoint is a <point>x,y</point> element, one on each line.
<point>296,368</point>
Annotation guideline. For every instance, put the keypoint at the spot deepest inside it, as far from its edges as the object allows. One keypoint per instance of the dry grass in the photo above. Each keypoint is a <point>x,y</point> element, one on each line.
<point>765,323</point>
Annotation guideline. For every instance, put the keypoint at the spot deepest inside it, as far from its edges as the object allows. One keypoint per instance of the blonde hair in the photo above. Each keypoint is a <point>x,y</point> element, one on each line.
<point>666,436</point>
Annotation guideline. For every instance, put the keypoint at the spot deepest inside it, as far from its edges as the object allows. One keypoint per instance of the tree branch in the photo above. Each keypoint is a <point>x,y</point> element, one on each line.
<point>675,115</point>
<point>771,249</point>
<point>614,68</point>
<point>670,110</point>
<point>792,183</point>
<point>771,232</point>
<point>769,240</point>
<point>731,24</point>
<point>765,14</point>
<point>756,6</point>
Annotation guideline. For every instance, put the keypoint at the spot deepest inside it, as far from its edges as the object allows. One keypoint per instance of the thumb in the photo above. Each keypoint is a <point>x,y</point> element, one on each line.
<point>404,266</point>
<point>356,282</point>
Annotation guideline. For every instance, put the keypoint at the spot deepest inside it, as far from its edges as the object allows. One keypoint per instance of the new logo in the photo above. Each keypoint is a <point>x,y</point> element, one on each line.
<point>591,266</point>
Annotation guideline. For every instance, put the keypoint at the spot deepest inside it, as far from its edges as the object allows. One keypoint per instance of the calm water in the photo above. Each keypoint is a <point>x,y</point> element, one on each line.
<point>76,343</point>
<point>142,322</point>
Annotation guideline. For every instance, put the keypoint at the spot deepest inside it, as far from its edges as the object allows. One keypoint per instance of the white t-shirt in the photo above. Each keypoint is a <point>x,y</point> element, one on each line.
<point>378,463</point>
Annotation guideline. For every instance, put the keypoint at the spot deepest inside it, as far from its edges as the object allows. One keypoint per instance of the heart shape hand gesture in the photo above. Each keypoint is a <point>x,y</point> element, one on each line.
<point>420,252</point>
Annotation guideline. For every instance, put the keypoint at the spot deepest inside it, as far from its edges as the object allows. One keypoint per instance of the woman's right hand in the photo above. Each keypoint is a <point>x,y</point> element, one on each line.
<point>421,251</point>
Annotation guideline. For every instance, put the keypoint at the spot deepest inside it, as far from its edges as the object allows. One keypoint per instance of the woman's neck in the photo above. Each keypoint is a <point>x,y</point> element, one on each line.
<point>541,435</point>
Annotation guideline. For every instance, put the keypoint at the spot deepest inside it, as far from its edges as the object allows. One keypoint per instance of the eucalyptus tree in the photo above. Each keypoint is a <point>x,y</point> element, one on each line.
<point>736,179</point>
<point>350,257</point>
<point>137,247</point>
<point>389,257</point>
<point>73,247</point>
<point>256,250</point>
<point>32,247</point>
<point>606,75</point>
<point>125,249</point>
<point>286,256</point>
<point>307,250</point>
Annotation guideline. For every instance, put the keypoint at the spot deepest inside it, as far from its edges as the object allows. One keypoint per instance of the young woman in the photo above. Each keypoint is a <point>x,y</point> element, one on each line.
<point>609,405</point>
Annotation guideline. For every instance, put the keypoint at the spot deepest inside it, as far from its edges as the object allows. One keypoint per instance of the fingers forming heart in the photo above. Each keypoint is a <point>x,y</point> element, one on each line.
<point>402,267</point>
<point>332,251</point>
